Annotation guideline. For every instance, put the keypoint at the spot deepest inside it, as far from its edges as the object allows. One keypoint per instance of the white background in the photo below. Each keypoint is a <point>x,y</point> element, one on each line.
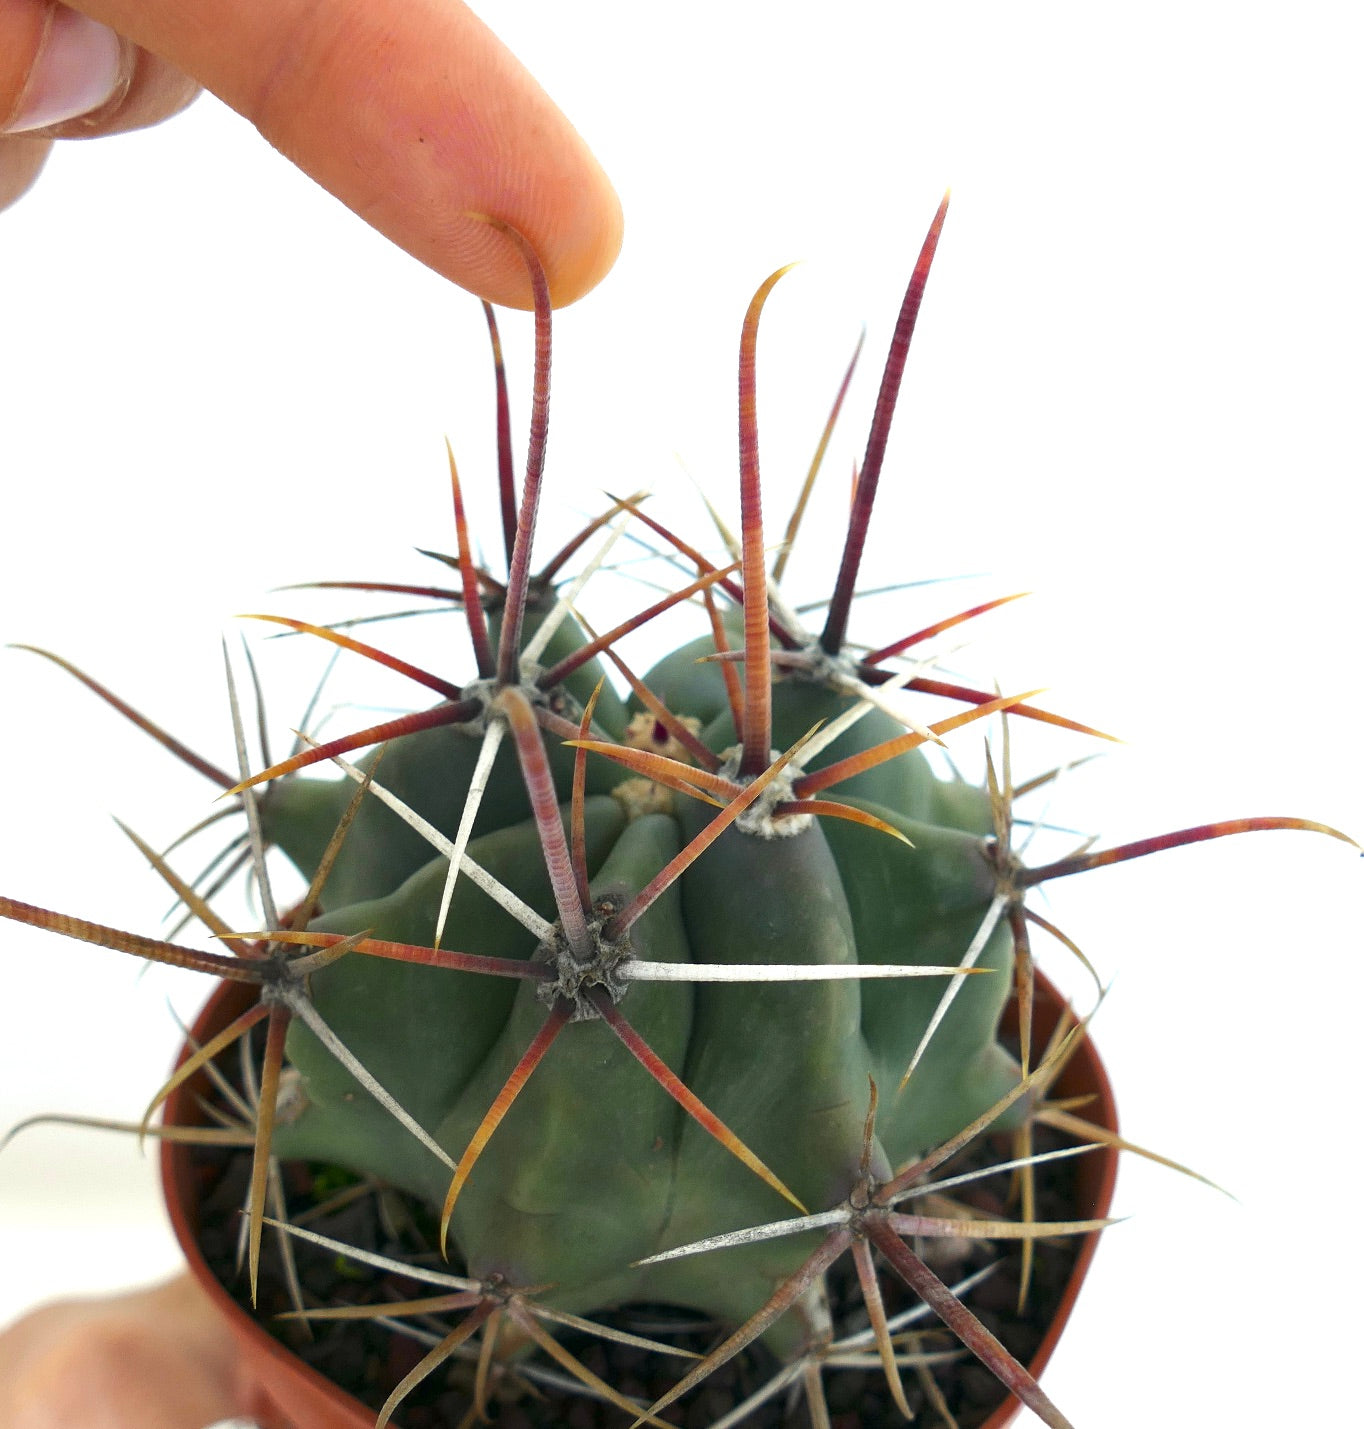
<point>1133,390</point>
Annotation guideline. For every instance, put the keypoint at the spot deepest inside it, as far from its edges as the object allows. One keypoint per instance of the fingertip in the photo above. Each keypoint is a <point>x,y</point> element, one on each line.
<point>595,250</point>
<point>451,123</point>
<point>575,236</point>
<point>586,242</point>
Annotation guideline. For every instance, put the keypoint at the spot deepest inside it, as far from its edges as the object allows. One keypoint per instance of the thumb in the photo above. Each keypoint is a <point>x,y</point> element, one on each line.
<point>414,115</point>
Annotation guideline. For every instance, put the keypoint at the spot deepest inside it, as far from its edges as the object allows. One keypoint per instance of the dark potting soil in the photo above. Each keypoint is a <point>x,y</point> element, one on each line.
<point>367,1359</point>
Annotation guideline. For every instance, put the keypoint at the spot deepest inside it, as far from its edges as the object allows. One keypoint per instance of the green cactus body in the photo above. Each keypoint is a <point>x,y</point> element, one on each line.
<point>675,980</point>
<point>451,1022</point>
<point>595,1166</point>
<point>578,1180</point>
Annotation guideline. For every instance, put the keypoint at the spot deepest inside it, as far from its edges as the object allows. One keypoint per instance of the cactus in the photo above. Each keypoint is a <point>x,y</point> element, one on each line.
<point>675,998</point>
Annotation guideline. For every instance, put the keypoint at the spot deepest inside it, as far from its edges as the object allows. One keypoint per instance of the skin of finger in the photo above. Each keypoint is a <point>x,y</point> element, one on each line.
<point>156,89</point>
<point>151,1359</point>
<point>152,90</point>
<point>414,115</point>
<point>23,24</point>
<point>21,161</point>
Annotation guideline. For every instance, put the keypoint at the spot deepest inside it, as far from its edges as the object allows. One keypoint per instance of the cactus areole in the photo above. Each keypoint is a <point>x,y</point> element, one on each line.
<point>676,997</point>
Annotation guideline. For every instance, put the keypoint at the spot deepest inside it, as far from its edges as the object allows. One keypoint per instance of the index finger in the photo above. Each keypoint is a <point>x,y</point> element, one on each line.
<point>414,115</point>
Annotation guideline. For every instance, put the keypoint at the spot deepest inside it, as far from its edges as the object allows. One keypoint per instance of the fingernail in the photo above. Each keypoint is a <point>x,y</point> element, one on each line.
<point>79,68</point>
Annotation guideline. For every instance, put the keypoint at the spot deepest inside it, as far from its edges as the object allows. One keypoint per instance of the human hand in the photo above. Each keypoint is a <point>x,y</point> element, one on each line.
<point>152,1359</point>
<point>409,111</point>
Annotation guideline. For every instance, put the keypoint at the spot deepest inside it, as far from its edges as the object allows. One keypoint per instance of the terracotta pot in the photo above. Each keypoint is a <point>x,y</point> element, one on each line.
<point>294,1396</point>
<point>1096,1173</point>
<point>291,1394</point>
